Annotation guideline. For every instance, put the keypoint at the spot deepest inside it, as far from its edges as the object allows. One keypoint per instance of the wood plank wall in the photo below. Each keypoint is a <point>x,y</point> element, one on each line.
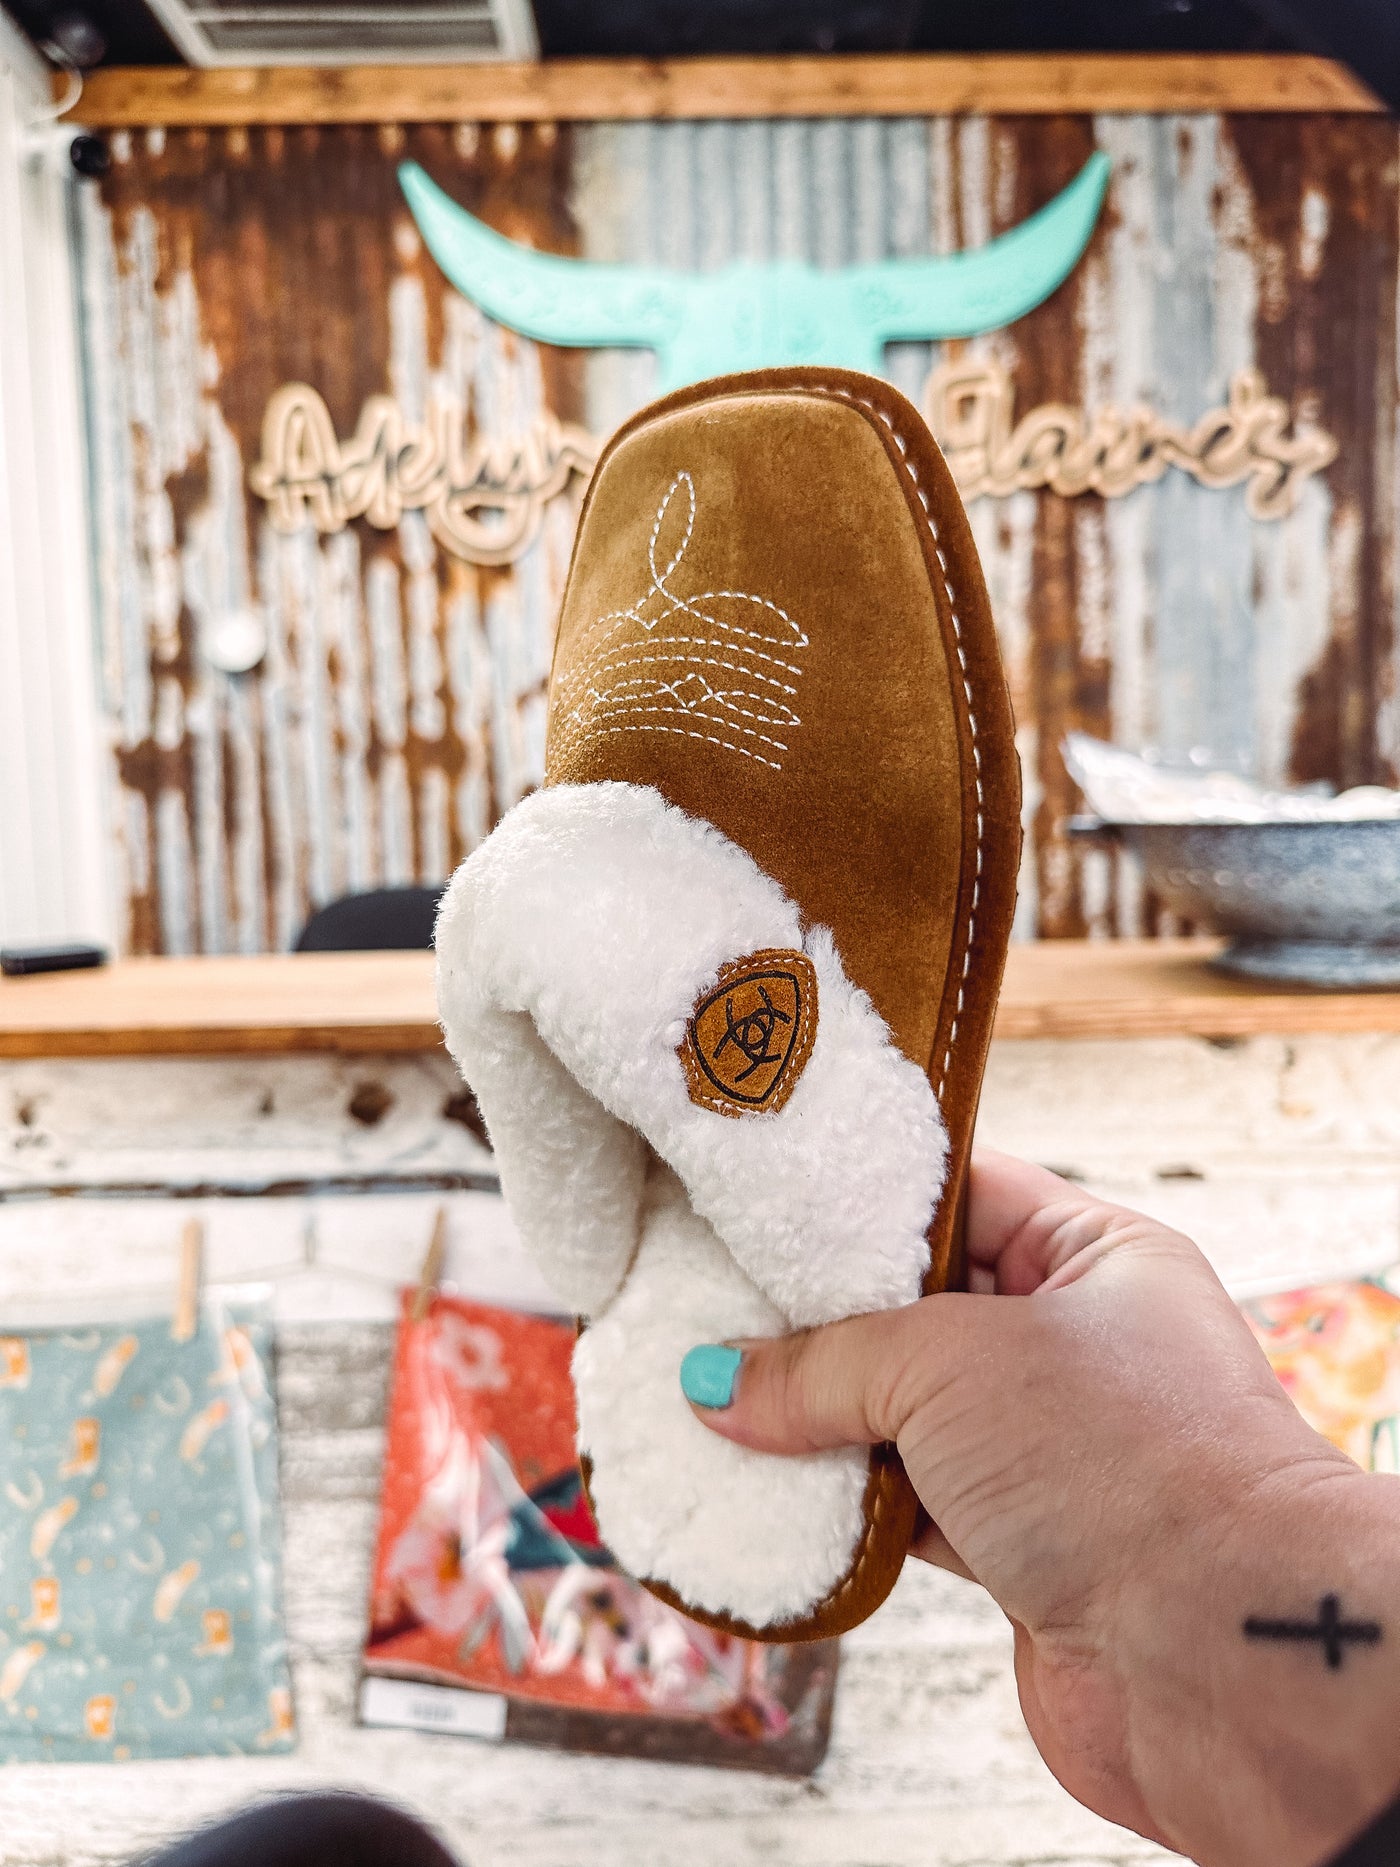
<point>399,707</point>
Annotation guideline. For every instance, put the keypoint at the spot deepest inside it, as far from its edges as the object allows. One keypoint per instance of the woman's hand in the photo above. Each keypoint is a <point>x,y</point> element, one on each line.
<point>1099,1441</point>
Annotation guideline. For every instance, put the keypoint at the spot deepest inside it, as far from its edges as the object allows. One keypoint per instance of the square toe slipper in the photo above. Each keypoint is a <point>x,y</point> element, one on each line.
<point>724,986</point>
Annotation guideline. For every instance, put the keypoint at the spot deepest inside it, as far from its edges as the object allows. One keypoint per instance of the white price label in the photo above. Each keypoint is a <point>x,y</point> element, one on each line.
<point>409,1706</point>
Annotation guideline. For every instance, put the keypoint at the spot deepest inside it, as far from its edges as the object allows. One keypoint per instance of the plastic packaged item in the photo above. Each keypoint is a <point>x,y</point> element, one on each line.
<point>140,1564</point>
<point>1123,787</point>
<point>497,1612</point>
<point>1336,1349</point>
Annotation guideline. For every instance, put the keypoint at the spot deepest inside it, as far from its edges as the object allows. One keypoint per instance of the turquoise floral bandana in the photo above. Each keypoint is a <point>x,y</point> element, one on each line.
<point>140,1566</point>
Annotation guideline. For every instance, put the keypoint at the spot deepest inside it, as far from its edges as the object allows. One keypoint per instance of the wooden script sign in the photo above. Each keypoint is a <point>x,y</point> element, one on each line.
<point>1069,450</point>
<point>484,496</point>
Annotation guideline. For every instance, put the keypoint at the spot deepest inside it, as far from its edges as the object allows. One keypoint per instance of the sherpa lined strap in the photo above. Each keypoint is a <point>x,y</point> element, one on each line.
<point>612,975</point>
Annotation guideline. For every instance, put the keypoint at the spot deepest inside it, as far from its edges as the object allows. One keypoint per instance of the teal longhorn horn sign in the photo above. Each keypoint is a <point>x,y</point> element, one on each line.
<point>751,315</point>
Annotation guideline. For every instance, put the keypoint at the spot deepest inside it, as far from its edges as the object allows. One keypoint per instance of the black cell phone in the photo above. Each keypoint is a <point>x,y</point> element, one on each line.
<point>67,957</point>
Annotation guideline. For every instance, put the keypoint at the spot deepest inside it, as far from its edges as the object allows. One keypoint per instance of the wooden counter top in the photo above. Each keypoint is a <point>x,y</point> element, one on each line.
<point>1165,988</point>
<point>366,1002</point>
<point>271,1002</point>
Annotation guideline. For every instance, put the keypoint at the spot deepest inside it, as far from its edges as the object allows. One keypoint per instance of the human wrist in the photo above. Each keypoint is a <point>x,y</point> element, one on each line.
<point>1248,1744</point>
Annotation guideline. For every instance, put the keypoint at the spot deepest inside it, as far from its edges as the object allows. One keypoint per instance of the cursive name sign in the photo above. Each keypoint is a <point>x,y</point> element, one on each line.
<point>483,496</point>
<point>970,408</point>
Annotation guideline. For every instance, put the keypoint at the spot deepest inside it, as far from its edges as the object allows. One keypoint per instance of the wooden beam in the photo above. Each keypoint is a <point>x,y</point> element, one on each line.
<point>378,1002</point>
<point>563,90</point>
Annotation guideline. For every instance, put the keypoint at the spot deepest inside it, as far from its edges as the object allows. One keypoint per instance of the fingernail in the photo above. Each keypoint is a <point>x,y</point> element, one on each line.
<point>708,1374</point>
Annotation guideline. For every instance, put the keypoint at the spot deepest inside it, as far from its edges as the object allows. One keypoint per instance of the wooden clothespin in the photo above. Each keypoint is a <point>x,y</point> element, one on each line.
<point>433,1260</point>
<point>186,1324</point>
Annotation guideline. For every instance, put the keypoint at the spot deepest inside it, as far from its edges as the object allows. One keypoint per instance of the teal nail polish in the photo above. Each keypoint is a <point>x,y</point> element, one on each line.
<point>708,1373</point>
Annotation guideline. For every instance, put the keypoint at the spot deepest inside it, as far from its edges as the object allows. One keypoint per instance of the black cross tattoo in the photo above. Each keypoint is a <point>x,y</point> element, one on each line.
<point>1329,1628</point>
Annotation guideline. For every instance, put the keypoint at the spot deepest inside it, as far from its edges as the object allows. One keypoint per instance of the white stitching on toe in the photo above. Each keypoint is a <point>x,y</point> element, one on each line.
<point>593,701</point>
<point>622,684</point>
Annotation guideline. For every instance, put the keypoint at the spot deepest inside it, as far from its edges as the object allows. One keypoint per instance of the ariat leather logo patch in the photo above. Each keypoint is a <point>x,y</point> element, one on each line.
<point>749,1037</point>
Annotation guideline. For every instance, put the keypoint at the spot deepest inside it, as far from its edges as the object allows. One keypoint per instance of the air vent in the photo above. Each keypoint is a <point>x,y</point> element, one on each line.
<point>339,32</point>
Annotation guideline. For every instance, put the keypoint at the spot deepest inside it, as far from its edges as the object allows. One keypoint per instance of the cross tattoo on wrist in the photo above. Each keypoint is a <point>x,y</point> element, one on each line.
<point>1334,1633</point>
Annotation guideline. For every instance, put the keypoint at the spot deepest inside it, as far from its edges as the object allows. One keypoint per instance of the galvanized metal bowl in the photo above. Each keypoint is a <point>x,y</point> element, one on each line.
<point>1314,903</point>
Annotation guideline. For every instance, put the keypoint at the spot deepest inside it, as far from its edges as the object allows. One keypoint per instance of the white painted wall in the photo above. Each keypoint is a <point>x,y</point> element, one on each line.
<point>54,864</point>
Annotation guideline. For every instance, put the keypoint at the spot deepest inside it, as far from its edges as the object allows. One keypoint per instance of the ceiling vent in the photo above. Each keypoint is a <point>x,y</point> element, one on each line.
<point>340,32</point>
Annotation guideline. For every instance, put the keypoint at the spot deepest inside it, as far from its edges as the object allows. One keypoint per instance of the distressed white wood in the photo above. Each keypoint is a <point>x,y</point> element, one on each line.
<point>1273,1151</point>
<point>1279,1156</point>
<point>1293,1148</point>
<point>338,1259</point>
<point>233,1121</point>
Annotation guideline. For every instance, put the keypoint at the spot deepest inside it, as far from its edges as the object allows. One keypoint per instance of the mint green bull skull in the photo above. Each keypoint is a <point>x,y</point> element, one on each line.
<point>752,315</point>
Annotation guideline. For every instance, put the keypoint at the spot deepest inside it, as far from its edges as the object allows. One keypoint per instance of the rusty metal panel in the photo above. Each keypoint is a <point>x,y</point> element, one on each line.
<point>1168,617</point>
<point>398,707</point>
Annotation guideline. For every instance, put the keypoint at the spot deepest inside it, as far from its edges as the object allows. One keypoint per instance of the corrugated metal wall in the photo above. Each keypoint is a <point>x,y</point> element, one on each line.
<point>399,707</point>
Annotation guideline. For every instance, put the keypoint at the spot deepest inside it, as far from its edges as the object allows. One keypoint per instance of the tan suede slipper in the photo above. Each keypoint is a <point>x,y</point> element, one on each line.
<point>775,622</point>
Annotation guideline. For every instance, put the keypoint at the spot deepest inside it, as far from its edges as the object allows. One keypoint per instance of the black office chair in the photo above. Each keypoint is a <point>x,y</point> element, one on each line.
<point>381,918</point>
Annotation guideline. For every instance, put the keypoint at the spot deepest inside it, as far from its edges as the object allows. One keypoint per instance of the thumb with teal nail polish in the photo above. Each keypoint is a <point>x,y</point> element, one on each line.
<point>708,1374</point>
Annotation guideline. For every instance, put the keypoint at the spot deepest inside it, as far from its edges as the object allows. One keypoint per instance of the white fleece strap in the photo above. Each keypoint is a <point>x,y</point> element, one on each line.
<point>572,948</point>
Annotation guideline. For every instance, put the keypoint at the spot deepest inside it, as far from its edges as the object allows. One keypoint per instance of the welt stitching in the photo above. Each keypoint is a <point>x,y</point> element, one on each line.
<point>800,639</point>
<point>722,696</point>
<point>659,587</point>
<point>661,511</point>
<point>869,1539</point>
<point>845,395</point>
<point>601,663</point>
<point>681,733</point>
<point>683,606</point>
<point>619,657</point>
<point>616,701</point>
<point>629,705</point>
<point>600,651</point>
<point>862,1561</point>
<point>598,688</point>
